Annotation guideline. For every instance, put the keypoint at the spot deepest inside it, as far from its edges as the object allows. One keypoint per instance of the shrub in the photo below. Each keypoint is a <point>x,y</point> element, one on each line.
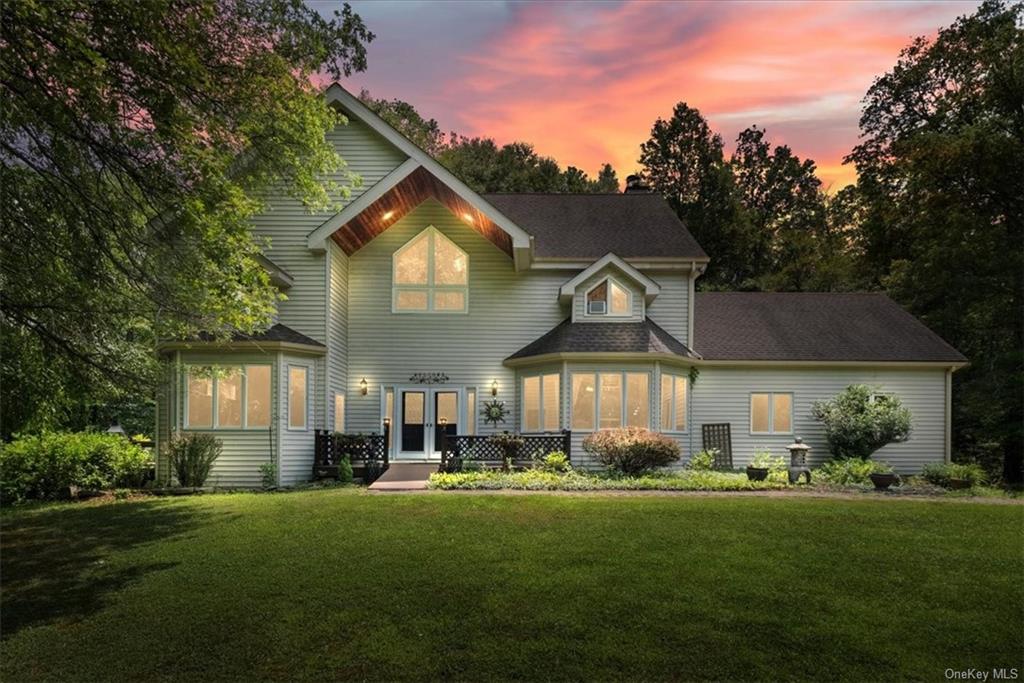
<point>631,450</point>
<point>856,426</point>
<point>940,474</point>
<point>47,465</point>
<point>345,470</point>
<point>268,475</point>
<point>851,471</point>
<point>776,465</point>
<point>556,461</point>
<point>704,460</point>
<point>192,457</point>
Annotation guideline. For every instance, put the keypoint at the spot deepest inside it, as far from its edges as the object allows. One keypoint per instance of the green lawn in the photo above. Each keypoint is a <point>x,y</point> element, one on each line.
<point>344,584</point>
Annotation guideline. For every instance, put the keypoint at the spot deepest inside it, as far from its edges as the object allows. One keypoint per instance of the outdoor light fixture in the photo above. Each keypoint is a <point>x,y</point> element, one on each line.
<point>387,215</point>
<point>494,388</point>
<point>362,387</point>
<point>443,421</point>
<point>468,217</point>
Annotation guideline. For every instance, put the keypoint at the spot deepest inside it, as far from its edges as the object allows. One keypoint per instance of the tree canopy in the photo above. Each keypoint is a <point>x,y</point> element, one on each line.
<point>136,139</point>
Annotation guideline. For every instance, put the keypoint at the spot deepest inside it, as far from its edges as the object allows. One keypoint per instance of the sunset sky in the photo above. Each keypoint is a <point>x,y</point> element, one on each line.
<point>584,82</point>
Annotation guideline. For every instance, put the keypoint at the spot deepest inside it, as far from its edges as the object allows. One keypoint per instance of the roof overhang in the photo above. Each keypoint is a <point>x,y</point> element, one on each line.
<point>610,357</point>
<point>243,346</point>
<point>279,277</point>
<point>650,287</point>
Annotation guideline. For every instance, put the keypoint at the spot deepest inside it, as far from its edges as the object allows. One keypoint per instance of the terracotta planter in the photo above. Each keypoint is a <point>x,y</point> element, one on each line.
<point>757,473</point>
<point>959,484</point>
<point>882,481</point>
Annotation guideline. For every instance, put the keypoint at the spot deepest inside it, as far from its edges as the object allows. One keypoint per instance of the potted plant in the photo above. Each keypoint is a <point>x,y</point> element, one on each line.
<point>760,465</point>
<point>883,476</point>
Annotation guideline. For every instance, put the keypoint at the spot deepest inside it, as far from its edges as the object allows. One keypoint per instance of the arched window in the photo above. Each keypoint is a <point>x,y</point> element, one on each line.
<point>608,297</point>
<point>430,274</point>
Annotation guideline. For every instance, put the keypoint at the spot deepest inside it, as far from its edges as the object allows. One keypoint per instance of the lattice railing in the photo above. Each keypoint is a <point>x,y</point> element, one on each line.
<point>501,449</point>
<point>368,453</point>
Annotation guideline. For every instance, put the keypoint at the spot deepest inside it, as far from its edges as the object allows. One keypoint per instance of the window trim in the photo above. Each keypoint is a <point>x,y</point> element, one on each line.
<point>622,406</point>
<point>672,406</point>
<point>430,288</point>
<point>288,397</point>
<point>540,397</point>
<point>771,412</point>
<point>608,299</point>
<point>215,418</point>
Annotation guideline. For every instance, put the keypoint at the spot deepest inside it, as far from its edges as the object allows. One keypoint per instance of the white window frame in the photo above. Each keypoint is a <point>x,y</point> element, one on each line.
<point>288,396</point>
<point>429,288</point>
<point>674,429</point>
<point>622,406</point>
<point>215,419</point>
<point>540,397</point>
<point>771,411</point>
<point>608,299</point>
<point>344,409</point>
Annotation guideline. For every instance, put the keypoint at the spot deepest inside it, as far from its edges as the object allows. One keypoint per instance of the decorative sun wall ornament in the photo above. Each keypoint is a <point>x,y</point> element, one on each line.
<point>494,412</point>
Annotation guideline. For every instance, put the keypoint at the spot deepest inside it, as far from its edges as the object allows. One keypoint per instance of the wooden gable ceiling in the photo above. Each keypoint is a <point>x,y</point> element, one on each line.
<point>406,196</point>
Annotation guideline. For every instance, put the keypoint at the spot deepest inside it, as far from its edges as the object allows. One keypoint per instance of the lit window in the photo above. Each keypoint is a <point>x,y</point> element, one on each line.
<point>608,297</point>
<point>430,274</point>
<point>584,401</point>
<point>229,398</point>
<point>771,413</point>
<point>673,403</point>
<point>257,396</point>
<point>470,411</point>
<point>200,399</point>
<point>389,412</point>
<point>339,412</point>
<point>297,397</point>
<point>541,401</point>
<point>610,397</point>
<point>638,404</point>
<point>217,396</point>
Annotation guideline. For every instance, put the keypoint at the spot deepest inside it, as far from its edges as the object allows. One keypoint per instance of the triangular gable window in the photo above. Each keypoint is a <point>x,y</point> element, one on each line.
<point>430,274</point>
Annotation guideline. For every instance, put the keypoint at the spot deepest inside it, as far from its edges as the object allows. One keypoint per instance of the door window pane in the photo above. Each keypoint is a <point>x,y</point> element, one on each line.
<point>680,389</point>
<point>471,411</point>
<point>583,402</point>
<point>446,415</point>
<point>413,428</point>
<point>611,400</point>
<point>389,412</point>
<point>619,304</point>
<point>200,400</point>
<point>257,396</point>
<point>229,398</point>
<point>782,413</point>
<point>339,412</point>
<point>531,404</point>
<point>638,401</point>
<point>759,407</point>
<point>297,398</point>
<point>551,403</point>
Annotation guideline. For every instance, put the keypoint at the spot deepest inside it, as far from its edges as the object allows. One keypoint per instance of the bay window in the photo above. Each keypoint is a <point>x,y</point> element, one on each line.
<point>228,397</point>
<point>430,274</point>
<point>673,403</point>
<point>771,413</point>
<point>541,401</point>
<point>608,400</point>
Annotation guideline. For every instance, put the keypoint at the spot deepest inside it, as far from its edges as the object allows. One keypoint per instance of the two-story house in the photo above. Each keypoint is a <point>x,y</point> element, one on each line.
<point>421,300</point>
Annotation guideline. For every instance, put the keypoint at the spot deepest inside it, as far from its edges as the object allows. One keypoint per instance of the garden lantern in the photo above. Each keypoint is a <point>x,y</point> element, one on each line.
<point>798,461</point>
<point>116,428</point>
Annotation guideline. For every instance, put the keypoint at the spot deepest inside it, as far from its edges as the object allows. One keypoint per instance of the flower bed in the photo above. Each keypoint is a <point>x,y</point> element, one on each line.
<point>537,480</point>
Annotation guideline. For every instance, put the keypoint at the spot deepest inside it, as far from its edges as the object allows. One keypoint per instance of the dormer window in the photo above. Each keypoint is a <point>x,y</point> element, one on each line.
<point>430,274</point>
<point>608,298</point>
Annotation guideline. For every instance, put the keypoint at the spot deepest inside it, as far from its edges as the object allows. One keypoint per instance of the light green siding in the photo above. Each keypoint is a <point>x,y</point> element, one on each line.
<point>337,331</point>
<point>296,462</point>
<point>670,309</point>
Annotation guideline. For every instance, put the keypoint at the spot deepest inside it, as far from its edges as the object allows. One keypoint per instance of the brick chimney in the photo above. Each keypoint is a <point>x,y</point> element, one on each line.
<point>635,184</point>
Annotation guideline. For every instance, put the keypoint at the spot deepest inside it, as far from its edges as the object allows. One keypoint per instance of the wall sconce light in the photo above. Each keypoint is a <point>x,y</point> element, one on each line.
<point>494,388</point>
<point>444,422</point>
<point>387,422</point>
<point>363,387</point>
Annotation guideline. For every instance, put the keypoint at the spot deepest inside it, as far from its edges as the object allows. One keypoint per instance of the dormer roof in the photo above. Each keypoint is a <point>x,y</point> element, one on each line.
<point>650,288</point>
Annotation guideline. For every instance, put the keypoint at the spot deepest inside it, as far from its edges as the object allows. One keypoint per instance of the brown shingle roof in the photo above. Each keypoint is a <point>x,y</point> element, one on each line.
<point>814,327</point>
<point>634,225</point>
<point>277,333</point>
<point>570,337</point>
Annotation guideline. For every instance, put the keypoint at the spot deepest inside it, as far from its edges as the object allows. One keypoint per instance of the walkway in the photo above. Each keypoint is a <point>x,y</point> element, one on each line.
<point>405,476</point>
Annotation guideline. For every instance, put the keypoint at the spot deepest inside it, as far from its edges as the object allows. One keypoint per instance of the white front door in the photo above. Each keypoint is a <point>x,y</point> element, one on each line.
<point>423,414</point>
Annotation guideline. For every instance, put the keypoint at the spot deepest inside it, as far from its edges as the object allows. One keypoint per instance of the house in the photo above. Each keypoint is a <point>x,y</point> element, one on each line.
<point>421,300</point>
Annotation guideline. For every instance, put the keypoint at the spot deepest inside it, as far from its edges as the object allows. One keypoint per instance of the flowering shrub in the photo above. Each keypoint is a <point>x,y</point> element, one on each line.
<point>631,450</point>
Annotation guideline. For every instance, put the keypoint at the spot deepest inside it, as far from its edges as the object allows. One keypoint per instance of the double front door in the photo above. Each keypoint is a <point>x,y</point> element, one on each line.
<point>424,414</point>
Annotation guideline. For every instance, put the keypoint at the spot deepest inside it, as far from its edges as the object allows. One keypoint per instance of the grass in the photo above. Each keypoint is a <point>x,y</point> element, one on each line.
<point>339,583</point>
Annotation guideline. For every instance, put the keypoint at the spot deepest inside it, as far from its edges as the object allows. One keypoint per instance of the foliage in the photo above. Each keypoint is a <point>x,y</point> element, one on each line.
<point>764,459</point>
<point>349,444</point>
<point>45,466</point>
<point>345,470</point>
<point>850,471</point>
<point>268,475</point>
<point>509,445</point>
<point>941,474</point>
<point>136,141</point>
<point>575,480</point>
<point>555,461</point>
<point>631,450</point>
<point>856,425</point>
<point>192,456</point>
<point>703,460</point>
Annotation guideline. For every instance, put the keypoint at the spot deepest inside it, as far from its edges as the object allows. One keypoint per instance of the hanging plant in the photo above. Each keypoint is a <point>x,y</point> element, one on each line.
<point>694,374</point>
<point>494,412</point>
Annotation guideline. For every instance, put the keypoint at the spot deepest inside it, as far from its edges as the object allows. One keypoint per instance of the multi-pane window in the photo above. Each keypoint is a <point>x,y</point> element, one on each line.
<point>234,397</point>
<point>673,403</point>
<point>430,274</point>
<point>541,401</point>
<point>297,396</point>
<point>771,413</point>
<point>608,298</point>
<point>611,400</point>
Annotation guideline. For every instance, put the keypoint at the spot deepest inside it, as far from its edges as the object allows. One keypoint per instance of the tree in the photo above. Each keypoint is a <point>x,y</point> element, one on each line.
<point>683,160</point>
<point>607,180</point>
<point>136,142</point>
<point>857,423</point>
<point>941,192</point>
<point>403,117</point>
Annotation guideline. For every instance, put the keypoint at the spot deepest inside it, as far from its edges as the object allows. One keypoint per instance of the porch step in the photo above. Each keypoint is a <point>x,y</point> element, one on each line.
<point>405,476</point>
